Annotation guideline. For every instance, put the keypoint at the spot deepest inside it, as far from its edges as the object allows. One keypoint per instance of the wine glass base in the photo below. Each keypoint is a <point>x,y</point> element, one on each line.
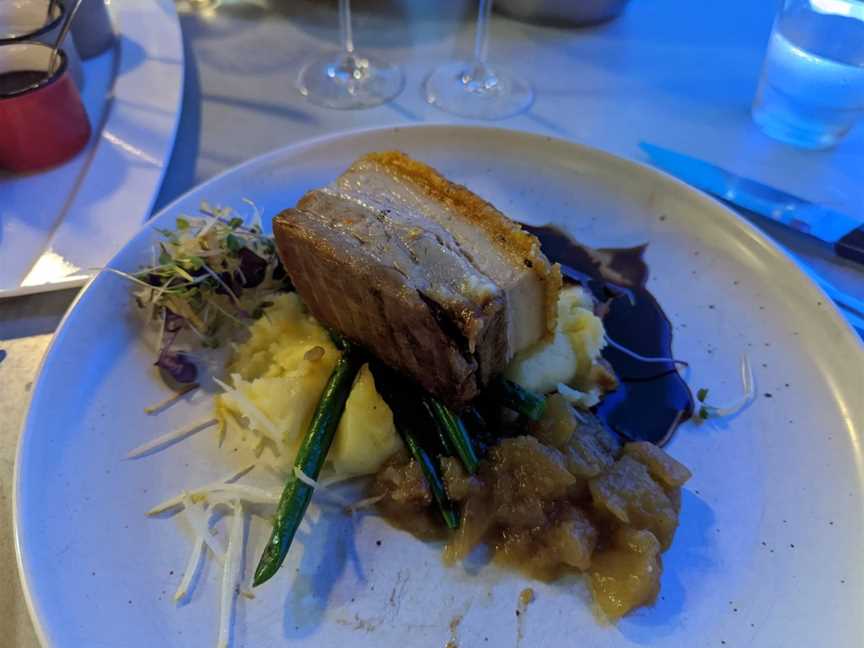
<point>486,92</point>
<point>344,81</point>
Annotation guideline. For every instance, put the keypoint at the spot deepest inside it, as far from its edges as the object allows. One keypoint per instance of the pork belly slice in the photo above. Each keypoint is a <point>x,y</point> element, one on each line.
<point>435,281</point>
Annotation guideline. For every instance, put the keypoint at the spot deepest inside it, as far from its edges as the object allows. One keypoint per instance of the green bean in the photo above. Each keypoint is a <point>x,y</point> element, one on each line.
<point>519,399</point>
<point>433,479</point>
<point>453,431</point>
<point>413,424</point>
<point>310,459</point>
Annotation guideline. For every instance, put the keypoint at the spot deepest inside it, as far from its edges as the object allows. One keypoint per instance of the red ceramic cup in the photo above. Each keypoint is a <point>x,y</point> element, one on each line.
<point>40,126</point>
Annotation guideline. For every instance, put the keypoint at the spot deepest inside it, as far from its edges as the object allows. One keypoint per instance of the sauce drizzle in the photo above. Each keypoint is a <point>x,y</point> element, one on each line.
<point>652,399</point>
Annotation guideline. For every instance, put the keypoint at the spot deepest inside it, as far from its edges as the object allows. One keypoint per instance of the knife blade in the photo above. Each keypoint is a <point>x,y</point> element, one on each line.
<point>842,232</point>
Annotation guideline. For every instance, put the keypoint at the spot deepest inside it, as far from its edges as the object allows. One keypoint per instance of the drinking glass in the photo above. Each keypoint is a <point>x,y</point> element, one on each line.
<point>811,91</point>
<point>346,79</point>
<point>475,88</point>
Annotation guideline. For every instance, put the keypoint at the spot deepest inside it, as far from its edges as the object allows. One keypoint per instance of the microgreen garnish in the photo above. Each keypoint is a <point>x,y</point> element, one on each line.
<point>707,410</point>
<point>211,274</point>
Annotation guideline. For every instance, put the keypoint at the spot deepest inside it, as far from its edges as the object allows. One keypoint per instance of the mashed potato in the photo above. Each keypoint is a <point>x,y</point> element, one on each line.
<point>278,375</point>
<point>569,357</point>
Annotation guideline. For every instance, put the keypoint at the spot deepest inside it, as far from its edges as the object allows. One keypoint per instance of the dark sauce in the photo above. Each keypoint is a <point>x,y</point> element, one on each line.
<point>14,82</point>
<point>652,399</point>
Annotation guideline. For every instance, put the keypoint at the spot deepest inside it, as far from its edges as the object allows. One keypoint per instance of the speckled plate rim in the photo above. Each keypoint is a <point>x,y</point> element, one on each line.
<point>709,208</point>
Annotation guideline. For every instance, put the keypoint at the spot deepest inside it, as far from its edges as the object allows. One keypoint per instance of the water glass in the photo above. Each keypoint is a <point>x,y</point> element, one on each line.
<point>811,91</point>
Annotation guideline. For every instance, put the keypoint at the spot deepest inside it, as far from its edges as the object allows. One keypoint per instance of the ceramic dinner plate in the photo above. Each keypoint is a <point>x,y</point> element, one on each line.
<point>769,549</point>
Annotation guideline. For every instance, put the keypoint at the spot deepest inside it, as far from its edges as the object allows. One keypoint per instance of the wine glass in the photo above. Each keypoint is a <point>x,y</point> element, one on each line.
<point>347,79</point>
<point>475,88</point>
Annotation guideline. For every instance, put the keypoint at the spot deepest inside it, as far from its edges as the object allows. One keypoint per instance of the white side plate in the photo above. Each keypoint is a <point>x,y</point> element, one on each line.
<point>769,549</point>
<point>56,225</point>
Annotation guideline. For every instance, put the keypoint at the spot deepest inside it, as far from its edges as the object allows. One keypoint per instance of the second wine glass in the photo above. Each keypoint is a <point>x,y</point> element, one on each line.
<point>347,79</point>
<point>475,88</point>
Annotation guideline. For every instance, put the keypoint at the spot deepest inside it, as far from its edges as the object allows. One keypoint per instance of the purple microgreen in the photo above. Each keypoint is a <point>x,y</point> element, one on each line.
<point>208,275</point>
<point>252,267</point>
<point>178,365</point>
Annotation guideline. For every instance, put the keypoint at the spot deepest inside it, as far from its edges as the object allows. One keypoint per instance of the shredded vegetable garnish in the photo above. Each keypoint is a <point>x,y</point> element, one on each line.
<point>303,477</point>
<point>177,501</point>
<point>198,518</point>
<point>324,489</point>
<point>642,358</point>
<point>211,274</point>
<point>365,503</point>
<point>321,489</point>
<point>231,575</point>
<point>221,427</point>
<point>336,479</point>
<point>585,400</point>
<point>170,438</point>
<point>273,466</point>
<point>707,410</point>
<point>191,567</point>
<point>258,419</point>
<point>243,492</point>
<point>227,421</point>
<point>217,494</point>
<point>168,402</point>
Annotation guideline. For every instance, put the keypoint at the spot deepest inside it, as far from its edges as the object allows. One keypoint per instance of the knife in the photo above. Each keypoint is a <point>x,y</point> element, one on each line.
<point>842,232</point>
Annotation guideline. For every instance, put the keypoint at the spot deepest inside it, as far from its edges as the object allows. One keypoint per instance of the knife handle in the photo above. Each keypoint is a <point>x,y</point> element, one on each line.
<point>851,246</point>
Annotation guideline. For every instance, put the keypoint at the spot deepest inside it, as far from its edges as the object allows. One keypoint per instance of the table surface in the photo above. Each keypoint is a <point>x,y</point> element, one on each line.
<point>677,74</point>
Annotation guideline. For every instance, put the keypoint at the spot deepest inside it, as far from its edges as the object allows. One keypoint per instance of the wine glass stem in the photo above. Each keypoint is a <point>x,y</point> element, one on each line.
<point>345,27</point>
<point>481,38</point>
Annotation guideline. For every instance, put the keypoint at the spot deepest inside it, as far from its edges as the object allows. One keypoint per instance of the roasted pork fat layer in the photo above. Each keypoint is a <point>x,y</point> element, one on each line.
<point>435,281</point>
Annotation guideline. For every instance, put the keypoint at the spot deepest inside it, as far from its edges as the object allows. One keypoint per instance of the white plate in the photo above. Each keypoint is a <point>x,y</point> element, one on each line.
<point>769,550</point>
<point>58,224</point>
